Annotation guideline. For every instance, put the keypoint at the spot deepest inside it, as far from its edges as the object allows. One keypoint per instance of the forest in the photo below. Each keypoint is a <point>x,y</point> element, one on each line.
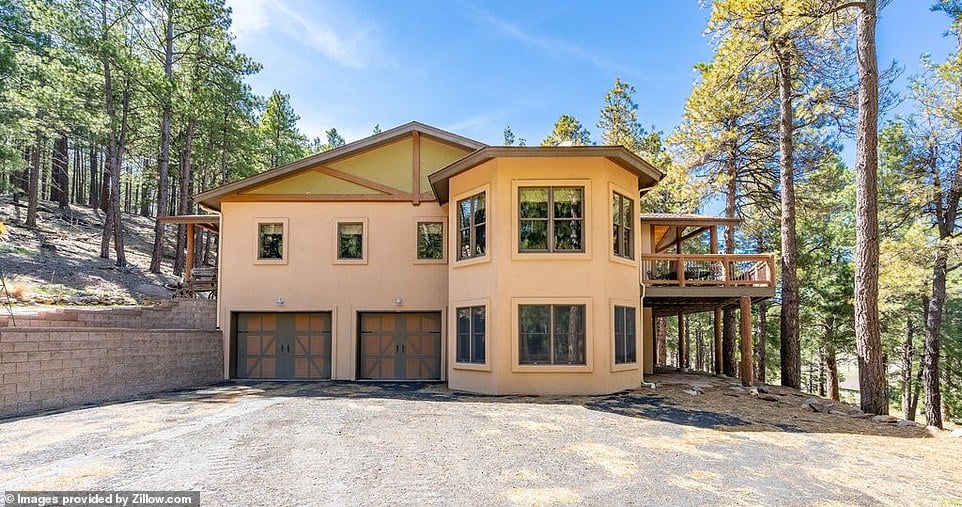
<point>132,106</point>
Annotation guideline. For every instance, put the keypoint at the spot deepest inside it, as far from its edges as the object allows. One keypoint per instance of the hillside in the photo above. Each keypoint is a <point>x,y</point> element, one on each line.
<point>59,262</point>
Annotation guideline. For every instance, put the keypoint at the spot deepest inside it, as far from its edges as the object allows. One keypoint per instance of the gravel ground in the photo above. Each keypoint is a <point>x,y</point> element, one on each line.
<point>342,443</point>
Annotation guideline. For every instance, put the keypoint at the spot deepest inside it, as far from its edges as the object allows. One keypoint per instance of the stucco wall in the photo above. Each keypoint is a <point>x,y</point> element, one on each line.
<point>505,278</point>
<point>311,279</point>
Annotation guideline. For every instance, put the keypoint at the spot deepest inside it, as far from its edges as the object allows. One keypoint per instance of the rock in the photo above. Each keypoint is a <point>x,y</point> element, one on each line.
<point>736,389</point>
<point>887,419</point>
<point>767,397</point>
<point>763,389</point>
<point>813,404</point>
<point>152,290</point>
<point>837,412</point>
<point>905,423</point>
<point>691,392</point>
<point>955,434</point>
<point>824,407</point>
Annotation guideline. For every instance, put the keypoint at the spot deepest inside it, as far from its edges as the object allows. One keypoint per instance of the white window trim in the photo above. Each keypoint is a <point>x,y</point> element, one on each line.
<point>636,231</point>
<point>444,239</point>
<point>365,240</point>
<point>489,221</point>
<point>517,367</point>
<point>285,239</point>
<point>453,326</point>
<point>612,303</point>
<point>586,225</point>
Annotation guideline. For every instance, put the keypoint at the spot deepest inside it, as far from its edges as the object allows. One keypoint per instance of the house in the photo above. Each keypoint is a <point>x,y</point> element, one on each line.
<point>418,254</point>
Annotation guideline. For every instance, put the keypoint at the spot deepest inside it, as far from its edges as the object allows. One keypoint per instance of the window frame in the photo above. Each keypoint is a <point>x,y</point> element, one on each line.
<point>518,367</point>
<point>285,239</point>
<point>586,226</point>
<point>416,223</point>
<point>472,334</point>
<point>620,200</point>
<point>454,216</point>
<point>453,325</point>
<point>636,226</point>
<point>365,233</point>
<point>621,356</point>
<point>551,221</point>
<point>639,334</point>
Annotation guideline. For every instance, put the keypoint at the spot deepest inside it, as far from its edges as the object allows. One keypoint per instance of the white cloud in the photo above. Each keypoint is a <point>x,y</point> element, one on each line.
<point>352,45</point>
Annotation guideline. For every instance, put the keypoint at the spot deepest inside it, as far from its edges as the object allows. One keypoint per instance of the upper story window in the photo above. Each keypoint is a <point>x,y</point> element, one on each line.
<point>622,215</point>
<point>270,241</point>
<point>430,240</point>
<point>551,219</point>
<point>552,335</point>
<point>350,240</point>
<point>472,222</point>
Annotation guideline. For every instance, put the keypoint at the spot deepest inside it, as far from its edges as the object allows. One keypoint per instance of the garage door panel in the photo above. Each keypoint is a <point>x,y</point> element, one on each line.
<point>283,345</point>
<point>399,346</point>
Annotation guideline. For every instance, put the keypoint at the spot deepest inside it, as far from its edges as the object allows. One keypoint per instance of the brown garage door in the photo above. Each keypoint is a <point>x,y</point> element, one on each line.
<point>399,346</point>
<point>283,345</point>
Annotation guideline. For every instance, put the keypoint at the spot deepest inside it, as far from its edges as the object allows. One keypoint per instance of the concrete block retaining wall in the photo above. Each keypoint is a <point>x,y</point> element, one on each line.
<point>72,360</point>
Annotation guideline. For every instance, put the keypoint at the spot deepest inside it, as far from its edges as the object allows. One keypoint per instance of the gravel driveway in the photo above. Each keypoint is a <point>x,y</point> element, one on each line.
<point>419,444</point>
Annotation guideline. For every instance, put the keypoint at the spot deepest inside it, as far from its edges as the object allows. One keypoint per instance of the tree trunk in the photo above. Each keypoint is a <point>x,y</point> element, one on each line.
<point>868,340</point>
<point>183,194</point>
<point>59,180</point>
<point>93,200</point>
<point>790,343</point>
<point>661,341</point>
<point>821,371</point>
<point>933,343</point>
<point>729,364</point>
<point>33,184</point>
<point>831,364</point>
<point>163,165</point>
<point>700,349</point>
<point>908,353</point>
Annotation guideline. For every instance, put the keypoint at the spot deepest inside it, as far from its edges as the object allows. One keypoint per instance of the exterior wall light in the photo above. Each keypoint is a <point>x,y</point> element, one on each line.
<point>279,300</point>
<point>397,301</point>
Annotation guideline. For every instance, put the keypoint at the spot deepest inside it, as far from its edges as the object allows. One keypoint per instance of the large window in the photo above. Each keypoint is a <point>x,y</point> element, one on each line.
<point>551,219</point>
<point>430,240</point>
<point>350,240</point>
<point>552,334</point>
<point>270,241</point>
<point>470,347</point>
<point>622,215</point>
<point>472,221</point>
<point>625,351</point>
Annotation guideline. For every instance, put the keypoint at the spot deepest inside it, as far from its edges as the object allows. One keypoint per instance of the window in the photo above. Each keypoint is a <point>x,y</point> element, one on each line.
<point>551,219</point>
<point>625,335</point>
<point>350,240</point>
<point>470,346</point>
<point>472,218</point>
<point>430,240</point>
<point>622,217</point>
<point>270,241</point>
<point>552,334</point>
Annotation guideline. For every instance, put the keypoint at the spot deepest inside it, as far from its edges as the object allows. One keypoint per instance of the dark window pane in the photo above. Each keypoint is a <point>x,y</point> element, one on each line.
<point>567,202</point>
<point>567,235</point>
<point>569,334</point>
<point>464,335</point>
<point>350,241</point>
<point>430,240</point>
<point>630,354</point>
<point>616,209</point>
<point>533,202</point>
<point>464,214</point>
<point>479,209</point>
<point>479,241</point>
<point>533,235</point>
<point>534,321</point>
<point>477,324</point>
<point>270,241</point>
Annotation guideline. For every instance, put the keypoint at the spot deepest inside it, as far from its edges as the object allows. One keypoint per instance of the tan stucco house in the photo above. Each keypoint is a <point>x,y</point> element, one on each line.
<point>418,254</point>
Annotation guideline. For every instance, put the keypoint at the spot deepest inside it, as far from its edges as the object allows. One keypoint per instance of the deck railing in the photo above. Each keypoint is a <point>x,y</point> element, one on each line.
<point>718,270</point>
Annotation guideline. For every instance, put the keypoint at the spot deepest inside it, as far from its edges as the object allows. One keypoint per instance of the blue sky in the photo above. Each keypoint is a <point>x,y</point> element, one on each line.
<point>474,67</point>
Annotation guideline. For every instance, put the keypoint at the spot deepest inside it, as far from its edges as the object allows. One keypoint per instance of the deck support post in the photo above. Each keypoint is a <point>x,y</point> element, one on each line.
<point>189,260</point>
<point>682,343</point>
<point>719,368</point>
<point>746,369</point>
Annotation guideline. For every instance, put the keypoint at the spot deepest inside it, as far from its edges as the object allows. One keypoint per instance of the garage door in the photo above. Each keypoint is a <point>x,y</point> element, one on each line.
<point>399,346</point>
<point>283,345</point>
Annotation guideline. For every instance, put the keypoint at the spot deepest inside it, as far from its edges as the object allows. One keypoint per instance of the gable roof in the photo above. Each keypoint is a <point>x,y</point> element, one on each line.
<point>648,175</point>
<point>212,198</point>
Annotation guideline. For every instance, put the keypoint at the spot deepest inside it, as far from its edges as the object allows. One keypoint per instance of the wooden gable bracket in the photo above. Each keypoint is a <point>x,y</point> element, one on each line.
<point>357,180</point>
